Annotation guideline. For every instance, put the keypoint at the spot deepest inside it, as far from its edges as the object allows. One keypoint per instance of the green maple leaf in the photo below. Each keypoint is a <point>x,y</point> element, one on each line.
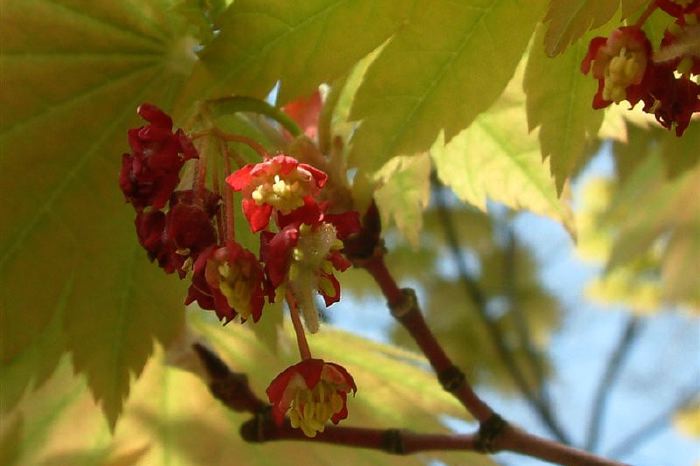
<point>173,418</point>
<point>462,55</point>
<point>568,20</point>
<point>67,245</point>
<point>496,158</point>
<point>303,44</point>
<point>559,101</point>
<point>404,193</point>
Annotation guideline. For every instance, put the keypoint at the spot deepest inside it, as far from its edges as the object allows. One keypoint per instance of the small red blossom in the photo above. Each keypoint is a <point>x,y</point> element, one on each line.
<point>677,8</point>
<point>305,112</point>
<point>304,256</point>
<point>175,239</point>
<point>312,392</point>
<point>151,172</point>
<point>672,100</point>
<point>619,63</point>
<point>279,183</point>
<point>229,280</point>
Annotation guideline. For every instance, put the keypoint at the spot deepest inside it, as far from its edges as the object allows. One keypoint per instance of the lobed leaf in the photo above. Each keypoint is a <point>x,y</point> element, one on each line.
<point>496,158</point>
<point>403,193</point>
<point>568,20</point>
<point>173,418</point>
<point>67,241</point>
<point>462,57</point>
<point>559,102</point>
<point>301,44</point>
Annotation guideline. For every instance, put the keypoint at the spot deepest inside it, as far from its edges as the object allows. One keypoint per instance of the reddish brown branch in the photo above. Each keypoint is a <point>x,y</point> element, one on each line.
<point>394,441</point>
<point>233,390</point>
<point>494,433</point>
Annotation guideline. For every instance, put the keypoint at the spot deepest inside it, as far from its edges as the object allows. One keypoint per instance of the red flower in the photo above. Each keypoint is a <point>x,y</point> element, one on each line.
<point>176,239</point>
<point>619,63</point>
<point>304,256</point>
<point>672,100</point>
<point>229,280</point>
<point>677,8</point>
<point>312,392</point>
<point>280,183</point>
<point>151,172</point>
<point>305,112</point>
<point>681,30</point>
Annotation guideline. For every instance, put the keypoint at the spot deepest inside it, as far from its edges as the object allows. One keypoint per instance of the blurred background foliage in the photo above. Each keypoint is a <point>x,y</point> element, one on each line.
<point>81,307</point>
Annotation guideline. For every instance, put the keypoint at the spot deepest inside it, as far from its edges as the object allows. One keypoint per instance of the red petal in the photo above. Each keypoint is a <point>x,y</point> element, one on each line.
<point>155,115</point>
<point>258,215</point>
<point>319,176</point>
<point>241,178</point>
<point>330,299</point>
<point>345,224</point>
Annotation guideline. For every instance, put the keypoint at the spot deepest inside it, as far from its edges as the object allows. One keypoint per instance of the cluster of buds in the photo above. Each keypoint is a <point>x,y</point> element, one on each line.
<point>190,232</point>
<point>626,68</point>
<point>181,229</point>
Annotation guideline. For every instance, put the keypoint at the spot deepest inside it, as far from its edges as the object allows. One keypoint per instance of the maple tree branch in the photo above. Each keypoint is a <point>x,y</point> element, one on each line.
<point>494,435</point>
<point>612,371</point>
<point>475,293</point>
<point>262,428</point>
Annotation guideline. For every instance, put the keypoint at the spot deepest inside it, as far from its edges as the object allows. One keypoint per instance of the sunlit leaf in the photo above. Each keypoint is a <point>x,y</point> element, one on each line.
<point>173,419</point>
<point>68,95</point>
<point>462,57</point>
<point>568,20</point>
<point>404,193</point>
<point>303,44</point>
<point>559,102</point>
<point>496,158</point>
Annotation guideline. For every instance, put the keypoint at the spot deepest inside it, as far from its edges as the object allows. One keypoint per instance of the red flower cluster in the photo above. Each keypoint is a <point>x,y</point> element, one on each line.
<point>151,173</point>
<point>624,67</point>
<point>185,239</point>
<point>306,250</point>
<point>185,232</point>
<point>312,392</point>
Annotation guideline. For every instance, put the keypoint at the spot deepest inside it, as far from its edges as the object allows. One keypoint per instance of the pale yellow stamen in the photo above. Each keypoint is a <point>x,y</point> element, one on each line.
<point>234,285</point>
<point>625,69</point>
<point>310,410</point>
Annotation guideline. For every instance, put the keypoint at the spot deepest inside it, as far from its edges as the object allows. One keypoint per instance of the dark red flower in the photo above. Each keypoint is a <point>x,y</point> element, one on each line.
<point>312,392</point>
<point>151,172</point>
<point>229,280</point>
<point>279,183</point>
<point>672,100</point>
<point>677,8</point>
<point>619,63</point>
<point>175,239</point>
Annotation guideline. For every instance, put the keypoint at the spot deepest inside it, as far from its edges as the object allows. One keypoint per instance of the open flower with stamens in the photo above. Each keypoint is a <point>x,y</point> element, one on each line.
<point>279,183</point>
<point>304,255</point>
<point>311,392</point>
<point>229,280</point>
<point>619,63</point>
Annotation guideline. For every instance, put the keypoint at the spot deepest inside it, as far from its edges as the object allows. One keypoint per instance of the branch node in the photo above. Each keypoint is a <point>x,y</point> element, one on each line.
<point>392,442</point>
<point>452,379</point>
<point>407,304</point>
<point>489,431</point>
<point>253,430</point>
